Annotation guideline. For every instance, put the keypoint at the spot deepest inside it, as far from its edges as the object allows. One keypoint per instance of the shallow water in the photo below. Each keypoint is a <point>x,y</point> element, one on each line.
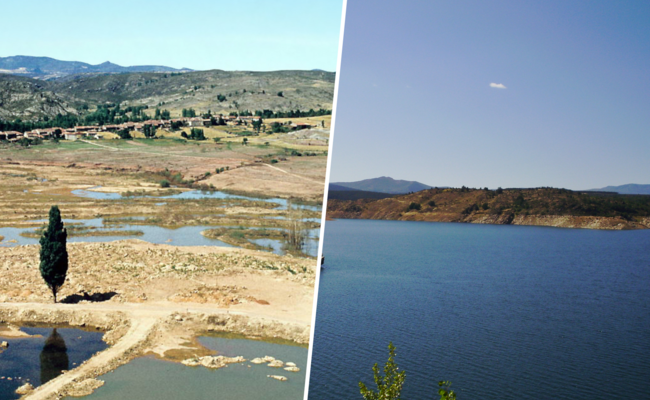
<point>39,359</point>
<point>148,378</point>
<point>193,194</point>
<point>504,312</point>
<point>183,236</point>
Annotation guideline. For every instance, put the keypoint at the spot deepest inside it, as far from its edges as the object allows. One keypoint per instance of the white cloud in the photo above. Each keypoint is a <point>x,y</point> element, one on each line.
<point>498,85</point>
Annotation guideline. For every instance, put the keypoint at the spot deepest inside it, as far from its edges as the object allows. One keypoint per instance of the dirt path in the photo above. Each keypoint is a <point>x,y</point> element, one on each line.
<point>297,176</point>
<point>143,152</point>
<point>147,321</point>
<point>137,334</point>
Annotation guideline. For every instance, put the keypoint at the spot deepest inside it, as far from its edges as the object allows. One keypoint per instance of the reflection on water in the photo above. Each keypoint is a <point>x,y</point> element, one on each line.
<point>42,357</point>
<point>54,357</point>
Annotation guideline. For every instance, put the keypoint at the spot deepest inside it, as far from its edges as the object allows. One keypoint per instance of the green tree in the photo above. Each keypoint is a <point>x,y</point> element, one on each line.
<point>389,386</point>
<point>54,256</point>
<point>444,391</point>
<point>257,124</point>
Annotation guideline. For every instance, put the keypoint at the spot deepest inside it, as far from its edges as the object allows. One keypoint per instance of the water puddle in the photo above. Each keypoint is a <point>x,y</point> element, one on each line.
<point>41,358</point>
<point>148,378</point>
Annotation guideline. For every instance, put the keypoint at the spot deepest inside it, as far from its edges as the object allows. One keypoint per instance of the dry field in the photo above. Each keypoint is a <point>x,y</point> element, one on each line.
<point>155,298</point>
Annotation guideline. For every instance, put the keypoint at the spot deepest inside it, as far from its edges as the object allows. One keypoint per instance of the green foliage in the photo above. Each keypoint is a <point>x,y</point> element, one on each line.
<point>280,94</point>
<point>149,131</point>
<point>414,206</point>
<point>164,183</point>
<point>444,391</point>
<point>188,113</point>
<point>389,386</point>
<point>277,127</point>
<point>432,203</point>
<point>499,190</point>
<point>197,134</point>
<point>53,253</point>
<point>257,124</point>
<point>124,134</point>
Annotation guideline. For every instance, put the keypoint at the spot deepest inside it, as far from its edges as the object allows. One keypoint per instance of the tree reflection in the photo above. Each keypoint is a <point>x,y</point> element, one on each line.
<point>54,357</point>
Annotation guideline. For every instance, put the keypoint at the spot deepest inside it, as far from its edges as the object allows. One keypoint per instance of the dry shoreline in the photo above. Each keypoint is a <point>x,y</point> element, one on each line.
<point>155,299</point>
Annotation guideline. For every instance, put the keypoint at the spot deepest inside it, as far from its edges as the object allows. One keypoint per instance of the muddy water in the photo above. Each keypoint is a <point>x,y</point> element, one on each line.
<point>148,378</point>
<point>41,358</point>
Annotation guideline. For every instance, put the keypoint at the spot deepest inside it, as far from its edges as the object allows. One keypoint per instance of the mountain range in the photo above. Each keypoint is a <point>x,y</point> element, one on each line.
<point>630,188</point>
<point>50,68</point>
<point>382,184</point>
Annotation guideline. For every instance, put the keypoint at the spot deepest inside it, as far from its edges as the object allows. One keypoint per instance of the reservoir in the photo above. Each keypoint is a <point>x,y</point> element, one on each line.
<point>503,312</point>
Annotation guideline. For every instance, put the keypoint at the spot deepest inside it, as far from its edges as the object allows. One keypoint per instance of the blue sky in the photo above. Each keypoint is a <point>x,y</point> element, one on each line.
<point>416,102</point>
<point>198,34</point>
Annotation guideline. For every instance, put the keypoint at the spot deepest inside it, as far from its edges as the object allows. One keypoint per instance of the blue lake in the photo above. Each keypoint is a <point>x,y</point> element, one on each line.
<point>504,312</point>
<point>39,359</point>
<point>148,378</point>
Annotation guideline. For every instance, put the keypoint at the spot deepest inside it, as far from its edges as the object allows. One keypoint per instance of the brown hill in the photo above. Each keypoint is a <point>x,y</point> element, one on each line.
<point>544,206</point>
<point>215,90</point>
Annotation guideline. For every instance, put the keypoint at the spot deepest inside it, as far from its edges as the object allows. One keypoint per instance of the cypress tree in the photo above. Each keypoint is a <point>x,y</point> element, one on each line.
<point>54,256</point>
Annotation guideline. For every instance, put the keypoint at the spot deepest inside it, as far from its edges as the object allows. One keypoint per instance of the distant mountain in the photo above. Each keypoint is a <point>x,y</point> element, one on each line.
<point>50,68</point>
<point>630,188</point>
<point>384,184</point>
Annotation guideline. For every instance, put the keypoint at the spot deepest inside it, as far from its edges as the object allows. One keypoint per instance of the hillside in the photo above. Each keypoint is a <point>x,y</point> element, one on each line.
<point>385,184</point>
<point>545,207</point>
<point>630,188</point>
<point>239,90</point>
<point>27,98</point>
<point>50,68</point>
<point>351,194</point>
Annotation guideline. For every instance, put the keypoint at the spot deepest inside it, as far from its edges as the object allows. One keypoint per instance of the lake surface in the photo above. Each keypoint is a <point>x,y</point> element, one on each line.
<point>504,312</point>
<point>39,359</point>
<point>148,378</point>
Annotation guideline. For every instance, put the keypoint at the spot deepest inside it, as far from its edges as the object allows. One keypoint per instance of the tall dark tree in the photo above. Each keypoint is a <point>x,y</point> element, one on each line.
<point>54,256</point>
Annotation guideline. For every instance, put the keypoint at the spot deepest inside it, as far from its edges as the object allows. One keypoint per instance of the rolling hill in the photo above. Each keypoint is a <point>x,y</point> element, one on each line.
<point>215,90</point>
<point>543,206</point>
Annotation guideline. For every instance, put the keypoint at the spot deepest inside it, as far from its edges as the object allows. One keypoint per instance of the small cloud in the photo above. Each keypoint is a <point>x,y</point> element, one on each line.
<point>498,85</point>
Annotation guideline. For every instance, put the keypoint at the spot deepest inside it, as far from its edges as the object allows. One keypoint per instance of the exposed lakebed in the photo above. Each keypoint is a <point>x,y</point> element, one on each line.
<point>105,230</point>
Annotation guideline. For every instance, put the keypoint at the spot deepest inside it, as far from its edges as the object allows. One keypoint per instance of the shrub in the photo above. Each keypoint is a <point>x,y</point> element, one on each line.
<point>164,183</point>
<point>414,206</point>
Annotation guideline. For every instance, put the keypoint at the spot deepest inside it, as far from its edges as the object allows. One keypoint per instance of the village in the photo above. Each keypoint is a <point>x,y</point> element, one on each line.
<point>100,131</point>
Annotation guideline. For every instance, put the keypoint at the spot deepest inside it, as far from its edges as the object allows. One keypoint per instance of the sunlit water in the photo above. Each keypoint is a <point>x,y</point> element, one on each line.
<point>504,312</point>
<point>39,359</point>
